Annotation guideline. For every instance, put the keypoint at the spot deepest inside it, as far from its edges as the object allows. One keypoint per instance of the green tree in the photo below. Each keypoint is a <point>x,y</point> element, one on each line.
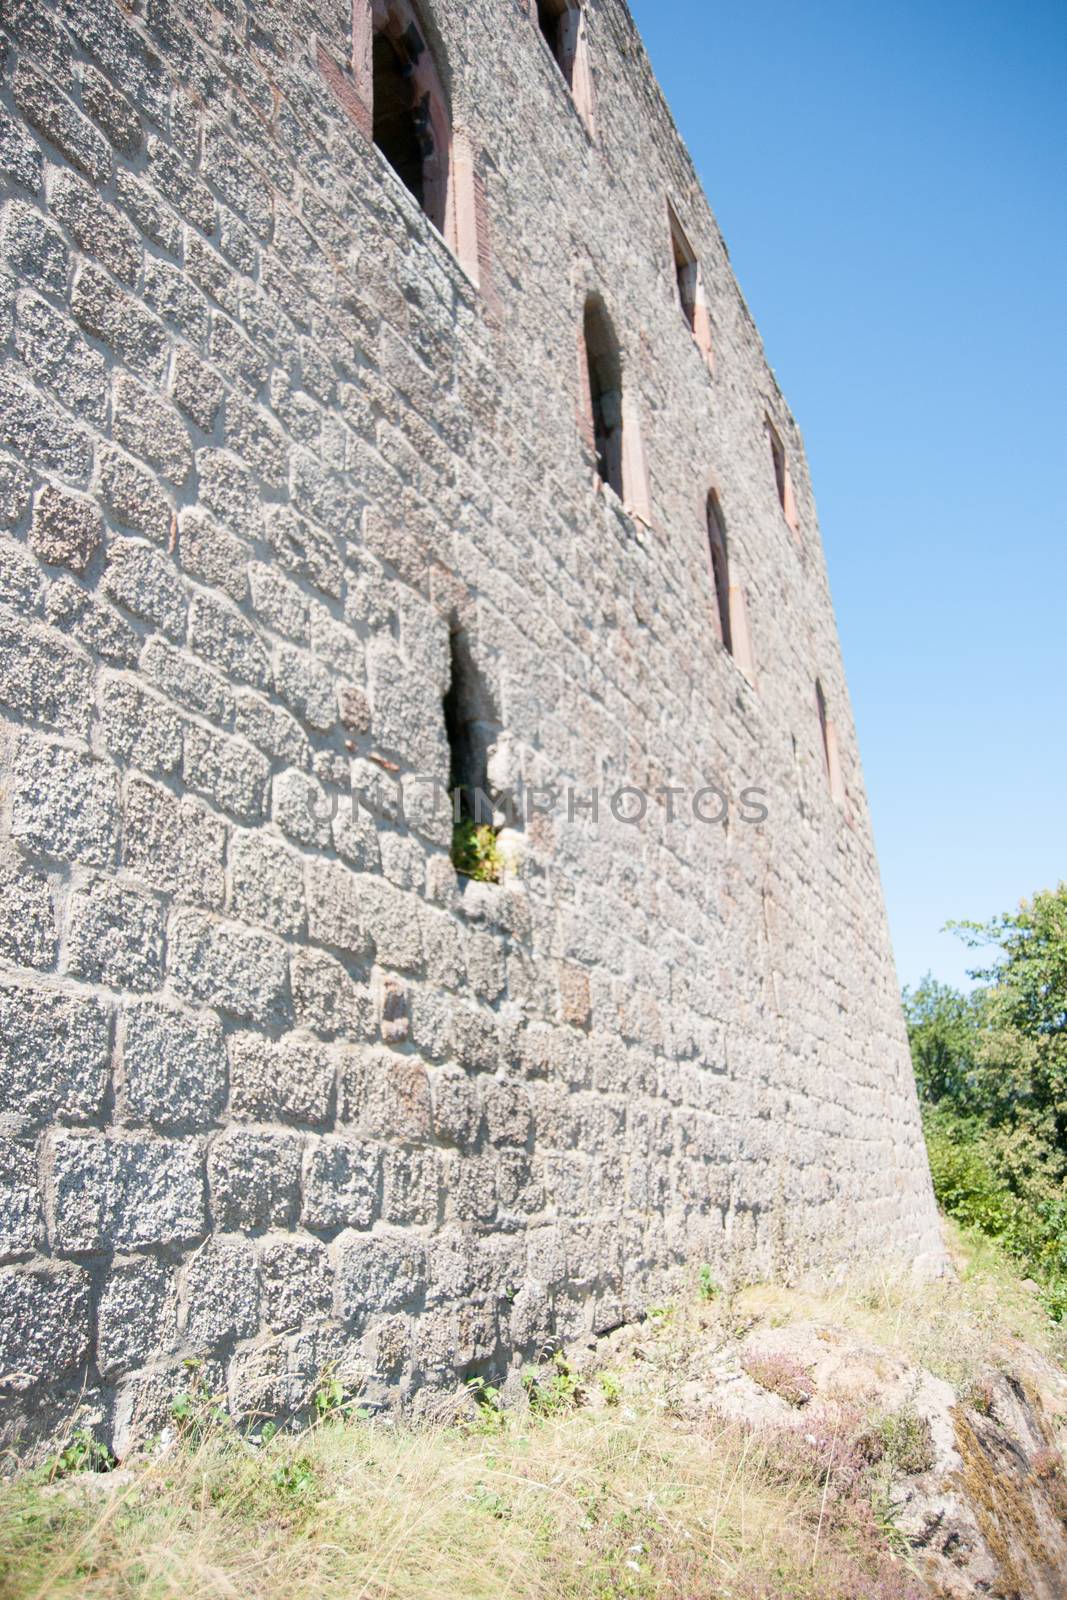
<point>991,1069</point>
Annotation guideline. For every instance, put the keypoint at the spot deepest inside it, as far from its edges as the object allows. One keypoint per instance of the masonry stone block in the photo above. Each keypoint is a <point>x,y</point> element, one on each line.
<point>385,1095</point>
<point>121,1193</point>
<point>227,771</point>
<point>271,729</point>
<point>135,1319</point>
<point>306,686</point>
<point>133,496</point>
<point>219,1295</point>
<point>38,432</point>
<point>173,1066</point>
<point>221,635</point>
<point>115,936</point>
<point>411,1188</point>
<point>95,625</point>
<point>228,966</point>
<point>140,730</point>
<point>63,804</point>
<point>21,1220</point>
<point>66,530</point>
<point>378,1272</point>
<point>44,1323</point>
<point>198,391</point>
<point>22,584</point>
<point>336,914</point>
<point>100,231</point>
<point>20,158</point>
<point>185,679</point>
<point>32,248</point>
<point>214,555</point>
<point>53,115</point>
<point>16,486</point>
<point>328,1000</point>
<point>297,1283</point>
<point>147,425</point>
<point>111,111</point>
<point>105,311</point>
<point>55,1053</point>
<point>301,808</point>
<point>27,913</point>
<point>341,1184</point>
<point>144,583</point>
<point>266,884</point>
<point>278,603</point>
<point>53,350</point>
<point>286,1080</point>
<point>304,550</point>
<point>255,1179</point>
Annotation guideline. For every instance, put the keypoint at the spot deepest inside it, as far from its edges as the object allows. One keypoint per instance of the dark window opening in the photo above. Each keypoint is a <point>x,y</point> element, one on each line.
<point>401,125</point>
<point>605,394</point>
<point>778,457</point>
<point>824,727</point>
<point>685,268</point>
<point>556,24</point>
<point>720,568</point>
<point>472,730</point>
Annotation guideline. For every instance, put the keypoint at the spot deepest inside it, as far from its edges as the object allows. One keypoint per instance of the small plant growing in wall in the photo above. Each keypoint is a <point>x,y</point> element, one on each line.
<point>476,853</point>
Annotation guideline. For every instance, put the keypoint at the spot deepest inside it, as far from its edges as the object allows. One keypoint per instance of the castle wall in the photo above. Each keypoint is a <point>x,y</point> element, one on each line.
<point>278,1089</point>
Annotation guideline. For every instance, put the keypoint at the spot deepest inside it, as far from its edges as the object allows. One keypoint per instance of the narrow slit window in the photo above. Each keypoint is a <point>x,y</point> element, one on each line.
<point>689,283</point>
<point>686,272</point>
<point>411,125</point>
<point>605,394</point>
<point>720,569</point>
<point>783,479</point>
<point>778,459</point>
<point>831,754</point>
<point>396,131</point>
<point>472,728</point>
<point>558,22</point>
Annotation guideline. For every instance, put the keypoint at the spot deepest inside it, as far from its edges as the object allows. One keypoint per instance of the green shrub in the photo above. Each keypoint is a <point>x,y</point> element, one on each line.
<point>476,853</point>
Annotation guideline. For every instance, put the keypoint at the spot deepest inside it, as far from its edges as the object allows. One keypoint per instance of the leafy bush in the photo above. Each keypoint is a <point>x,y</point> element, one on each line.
<point>991,1068</point>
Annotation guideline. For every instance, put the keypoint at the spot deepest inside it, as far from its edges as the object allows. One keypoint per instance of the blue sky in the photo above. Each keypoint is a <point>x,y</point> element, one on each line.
<point>892,185</point>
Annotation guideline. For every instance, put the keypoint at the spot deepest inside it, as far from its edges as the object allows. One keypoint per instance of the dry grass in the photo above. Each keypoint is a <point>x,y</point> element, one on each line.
<point>618,1496</point>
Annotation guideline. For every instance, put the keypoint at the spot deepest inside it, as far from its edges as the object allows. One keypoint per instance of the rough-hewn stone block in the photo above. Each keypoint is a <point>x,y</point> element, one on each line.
<point>63,804</point>
<point>21,1220</point>
<point>173,1066</point>
<point>226,965</point>
<point>119,1193</point>
<point>44,1323</point>
<point>255,1179</point>
<point>287,1080</point>
<point>115,936</point>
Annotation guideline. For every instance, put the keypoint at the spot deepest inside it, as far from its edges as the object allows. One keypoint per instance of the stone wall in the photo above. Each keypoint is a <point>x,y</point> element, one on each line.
<point>279,1090</point>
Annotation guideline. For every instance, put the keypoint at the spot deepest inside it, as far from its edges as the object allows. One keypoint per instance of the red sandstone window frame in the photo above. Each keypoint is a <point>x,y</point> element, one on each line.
<point>783,478</point>
<point>454,200</point>
<point>570,52</point>
<point>831,753</point>
<point>618,449</point>
<point>730,605</point>
<point>688,276</point>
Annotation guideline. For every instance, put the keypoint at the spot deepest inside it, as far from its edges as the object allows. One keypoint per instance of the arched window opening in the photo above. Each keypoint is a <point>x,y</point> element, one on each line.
<point>396,129</point>
<point>410,118</point>
<point>720,568</point>
<point>605,394</point>
<point>559,22</point>
<point>782,479</point>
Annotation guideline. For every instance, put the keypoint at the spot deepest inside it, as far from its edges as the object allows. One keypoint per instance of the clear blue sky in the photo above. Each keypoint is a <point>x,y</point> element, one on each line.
<point>892,185</point>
